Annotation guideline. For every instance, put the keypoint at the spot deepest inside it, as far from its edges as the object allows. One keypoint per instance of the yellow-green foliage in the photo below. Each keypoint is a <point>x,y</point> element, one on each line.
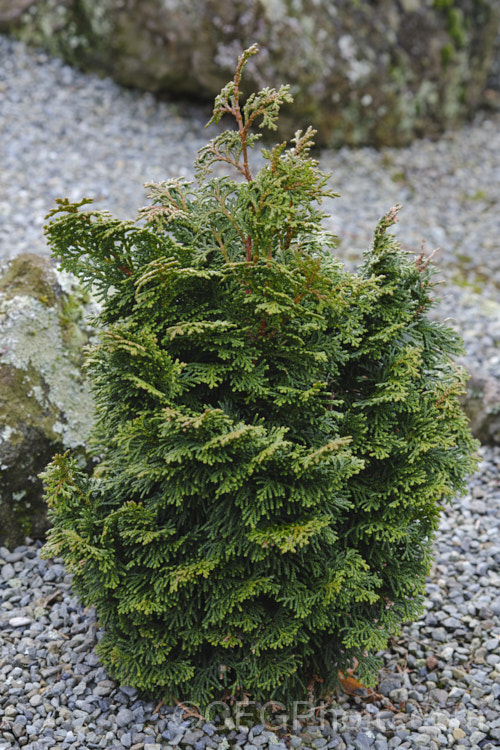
<point>276,435</point>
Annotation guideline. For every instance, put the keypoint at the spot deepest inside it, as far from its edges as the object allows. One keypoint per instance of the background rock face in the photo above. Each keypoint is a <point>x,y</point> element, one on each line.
<point>45,404</point>
<point>482,405</point>
<point>361,71</point>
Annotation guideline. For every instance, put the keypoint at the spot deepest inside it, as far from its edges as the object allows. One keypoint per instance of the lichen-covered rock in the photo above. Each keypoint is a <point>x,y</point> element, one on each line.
<point>481,403</point>
<point>361,71</point>
<point>45,403</point>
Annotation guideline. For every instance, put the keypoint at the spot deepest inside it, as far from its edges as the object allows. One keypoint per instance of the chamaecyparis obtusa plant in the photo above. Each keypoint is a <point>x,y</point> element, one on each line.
<point>276,436</point>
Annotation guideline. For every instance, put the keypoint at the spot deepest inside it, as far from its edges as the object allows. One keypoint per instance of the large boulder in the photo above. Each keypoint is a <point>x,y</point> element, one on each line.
<point>362,71</point>
<point>45,403</point>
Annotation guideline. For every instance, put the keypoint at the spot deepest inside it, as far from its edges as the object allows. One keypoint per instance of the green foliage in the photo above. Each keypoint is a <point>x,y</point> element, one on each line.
<point>276,435</point>
<point>457,26</point>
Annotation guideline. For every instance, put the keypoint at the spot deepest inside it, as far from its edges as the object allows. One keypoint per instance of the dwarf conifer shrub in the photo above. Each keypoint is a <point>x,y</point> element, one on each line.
<point>276,435</point>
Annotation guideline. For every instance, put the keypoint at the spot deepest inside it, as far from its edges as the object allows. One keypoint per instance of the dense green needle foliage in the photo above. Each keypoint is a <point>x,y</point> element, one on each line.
<point>275,434</point>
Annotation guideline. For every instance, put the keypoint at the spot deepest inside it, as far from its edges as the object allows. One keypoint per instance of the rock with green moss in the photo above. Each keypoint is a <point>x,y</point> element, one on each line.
<point>361,71</point>
<point>45,403</point>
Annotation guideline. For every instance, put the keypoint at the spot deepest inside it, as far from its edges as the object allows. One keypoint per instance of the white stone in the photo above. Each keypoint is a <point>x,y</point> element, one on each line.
<point>20,622</point>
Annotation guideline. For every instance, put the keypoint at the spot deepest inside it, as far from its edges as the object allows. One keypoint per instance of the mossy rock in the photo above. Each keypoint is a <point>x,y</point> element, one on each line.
<point>361,72</point>
<point>45,403</point>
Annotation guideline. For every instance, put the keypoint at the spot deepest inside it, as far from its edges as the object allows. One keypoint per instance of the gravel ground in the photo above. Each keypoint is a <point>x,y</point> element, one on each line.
<point>67,134</point>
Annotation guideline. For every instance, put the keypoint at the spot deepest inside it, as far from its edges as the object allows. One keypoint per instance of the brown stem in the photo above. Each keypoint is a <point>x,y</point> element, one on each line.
<point>221,245</point>
<point>221,157</point>
<point>242,128</point>
<point>122,267</point>
<point>248,248</point>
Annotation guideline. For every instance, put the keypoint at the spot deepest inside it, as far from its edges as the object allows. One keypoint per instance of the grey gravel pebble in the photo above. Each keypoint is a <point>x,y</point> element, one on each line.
<point>7,572</point>
<point>440,686</point>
